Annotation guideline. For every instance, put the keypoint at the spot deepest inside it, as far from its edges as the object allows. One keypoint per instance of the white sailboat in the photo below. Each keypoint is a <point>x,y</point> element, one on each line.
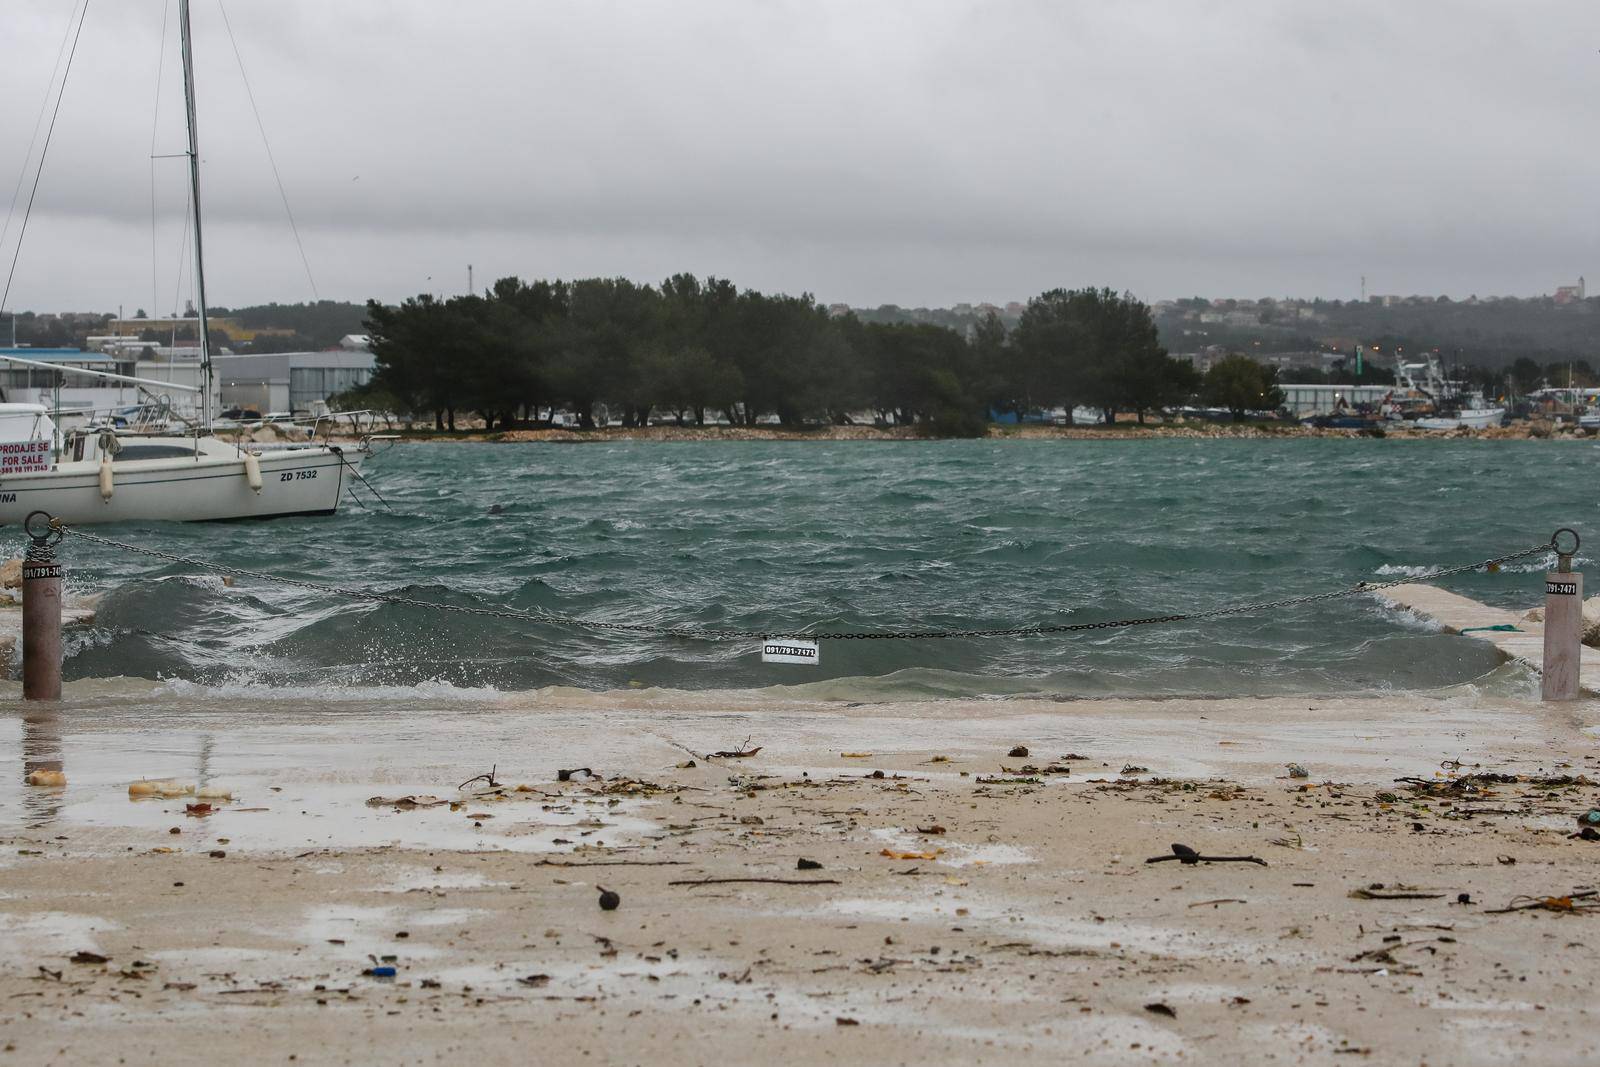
<point>106,475</point>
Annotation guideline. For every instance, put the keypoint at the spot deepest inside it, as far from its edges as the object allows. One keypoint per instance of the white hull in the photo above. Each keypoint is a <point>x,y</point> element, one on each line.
<point>1471,419</point>
<point>199,488</point>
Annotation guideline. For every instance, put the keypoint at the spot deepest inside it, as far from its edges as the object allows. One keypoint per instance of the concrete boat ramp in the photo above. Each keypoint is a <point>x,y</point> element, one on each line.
<point>1462,615</point>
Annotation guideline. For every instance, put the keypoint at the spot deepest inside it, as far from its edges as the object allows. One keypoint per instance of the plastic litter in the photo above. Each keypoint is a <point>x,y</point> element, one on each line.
<point>406,803</point>
<point>47,778</point>
<point>1297,771</point>
<point>159,787</point>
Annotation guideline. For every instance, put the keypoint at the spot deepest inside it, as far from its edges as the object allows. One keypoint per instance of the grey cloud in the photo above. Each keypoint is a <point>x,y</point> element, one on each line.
<point>919,153</point>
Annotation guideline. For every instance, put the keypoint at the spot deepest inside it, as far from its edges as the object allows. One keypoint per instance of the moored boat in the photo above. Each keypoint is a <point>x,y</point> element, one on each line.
<point>1474,418</point>
<point>105,473</point>
<point>103,476</point>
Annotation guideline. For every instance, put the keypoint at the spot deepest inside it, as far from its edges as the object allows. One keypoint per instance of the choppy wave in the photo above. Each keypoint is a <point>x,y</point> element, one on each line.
<point>780,537</point>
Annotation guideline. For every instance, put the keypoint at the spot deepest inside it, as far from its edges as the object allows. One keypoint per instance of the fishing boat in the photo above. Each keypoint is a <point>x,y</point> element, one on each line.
<point>109,473</point>
<point>1467,418</point>
<point>1453,408</point>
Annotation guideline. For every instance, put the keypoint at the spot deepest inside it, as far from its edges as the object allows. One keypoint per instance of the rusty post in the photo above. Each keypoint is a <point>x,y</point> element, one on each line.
<point>1563,625</point>
<point>41,611</point>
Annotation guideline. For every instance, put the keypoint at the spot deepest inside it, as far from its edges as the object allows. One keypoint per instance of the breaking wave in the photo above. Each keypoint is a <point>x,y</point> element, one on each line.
<point>841,536</point>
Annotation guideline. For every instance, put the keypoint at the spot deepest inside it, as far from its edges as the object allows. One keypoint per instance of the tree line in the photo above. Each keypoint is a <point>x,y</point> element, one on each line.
<point>695,350</point>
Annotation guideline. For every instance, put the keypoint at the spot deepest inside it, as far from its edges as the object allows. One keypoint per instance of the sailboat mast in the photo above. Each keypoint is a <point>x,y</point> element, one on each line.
<point>194,195</point>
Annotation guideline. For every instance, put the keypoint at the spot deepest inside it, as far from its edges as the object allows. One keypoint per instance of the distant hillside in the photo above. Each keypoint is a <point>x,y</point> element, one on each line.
<point>316,326</point>
<point>1489,333</point>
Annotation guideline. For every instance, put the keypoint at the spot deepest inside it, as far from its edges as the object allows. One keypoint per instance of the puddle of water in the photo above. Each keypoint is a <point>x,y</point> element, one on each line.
<point>335,815</point>
<point>48,933</point>
<point>1054,931</point>
<point>955,853</point>
<point>406,879</point>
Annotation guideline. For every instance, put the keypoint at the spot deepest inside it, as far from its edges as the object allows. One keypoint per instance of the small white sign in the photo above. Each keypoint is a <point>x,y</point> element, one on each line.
<point>790,650</point>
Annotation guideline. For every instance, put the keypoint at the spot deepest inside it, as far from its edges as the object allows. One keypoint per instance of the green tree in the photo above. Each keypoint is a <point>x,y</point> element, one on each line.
<point>1095,347</point>
<point>1240,384</point>
<point>1526,374</point>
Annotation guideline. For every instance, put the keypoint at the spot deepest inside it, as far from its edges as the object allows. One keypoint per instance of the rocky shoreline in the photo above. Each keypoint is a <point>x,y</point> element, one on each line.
<point>1519,431</point>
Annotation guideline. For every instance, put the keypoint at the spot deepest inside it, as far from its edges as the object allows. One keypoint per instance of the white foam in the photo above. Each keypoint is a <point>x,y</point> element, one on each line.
<point>431,689</point>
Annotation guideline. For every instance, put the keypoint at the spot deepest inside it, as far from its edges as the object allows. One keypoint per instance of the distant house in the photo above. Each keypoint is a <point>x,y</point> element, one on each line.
<point>1570,294</point>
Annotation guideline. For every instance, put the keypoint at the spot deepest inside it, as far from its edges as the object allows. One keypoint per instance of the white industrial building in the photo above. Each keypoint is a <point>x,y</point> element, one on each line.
<point>282,382</point>
<point>1321,399</point>
<point>27,375</point>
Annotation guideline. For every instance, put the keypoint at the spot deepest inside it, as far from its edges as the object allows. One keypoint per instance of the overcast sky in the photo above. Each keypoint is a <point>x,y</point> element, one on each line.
<point>918,152</point>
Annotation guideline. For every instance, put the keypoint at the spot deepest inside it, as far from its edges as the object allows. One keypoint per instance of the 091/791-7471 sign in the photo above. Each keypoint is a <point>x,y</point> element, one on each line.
<point>789,650</point>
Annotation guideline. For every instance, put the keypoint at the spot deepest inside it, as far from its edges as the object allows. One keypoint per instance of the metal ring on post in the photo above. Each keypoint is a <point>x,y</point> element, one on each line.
<point>49,527</point>
<point>1555,541</point>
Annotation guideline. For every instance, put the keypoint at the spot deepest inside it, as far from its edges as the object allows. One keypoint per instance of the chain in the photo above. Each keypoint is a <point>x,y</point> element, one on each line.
<point>694,634</point>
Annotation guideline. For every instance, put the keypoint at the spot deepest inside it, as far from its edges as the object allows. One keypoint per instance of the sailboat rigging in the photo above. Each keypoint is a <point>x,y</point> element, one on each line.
<point>105,474</point>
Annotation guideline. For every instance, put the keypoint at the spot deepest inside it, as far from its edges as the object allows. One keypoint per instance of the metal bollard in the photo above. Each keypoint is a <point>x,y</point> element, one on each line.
<point>1563,623</point>
<point>41,611</point>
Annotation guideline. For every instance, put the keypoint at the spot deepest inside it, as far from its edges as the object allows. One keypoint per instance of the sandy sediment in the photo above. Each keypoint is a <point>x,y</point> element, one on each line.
<point>961,902</point>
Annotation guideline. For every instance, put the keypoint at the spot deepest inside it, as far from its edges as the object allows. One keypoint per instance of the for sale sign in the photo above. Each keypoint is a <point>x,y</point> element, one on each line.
<point>16,457</point>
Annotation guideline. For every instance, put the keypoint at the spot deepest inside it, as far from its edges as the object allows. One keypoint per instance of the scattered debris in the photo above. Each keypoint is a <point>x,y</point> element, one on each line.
<point>565,775</point>
<point>85,956</point>
<point>1159,1008</point>
<point>1571,902</point>
<point>925,854</point>
<point>406,803</point>
<point>1186,855</point>
<point>612,863</point>
<point>1130,768</point>
<point>162,787</point>
<point>1019,752</point>
<point>762,881</point>
<point>1298,771</point>
<point>934,829</point>
<point>47,779</point>
<point>744,751</point>
<point>808,865</point>
<point>608,899</point>
<point>1378,891</point>
<point>487,779</point>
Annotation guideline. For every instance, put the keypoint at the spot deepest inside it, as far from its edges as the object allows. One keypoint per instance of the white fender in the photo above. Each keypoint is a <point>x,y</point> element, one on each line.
<point>252,471</point>
<point>105,477</point>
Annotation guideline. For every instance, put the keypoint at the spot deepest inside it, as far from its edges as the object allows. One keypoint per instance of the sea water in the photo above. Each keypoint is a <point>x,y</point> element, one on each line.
<point>876,537</point>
